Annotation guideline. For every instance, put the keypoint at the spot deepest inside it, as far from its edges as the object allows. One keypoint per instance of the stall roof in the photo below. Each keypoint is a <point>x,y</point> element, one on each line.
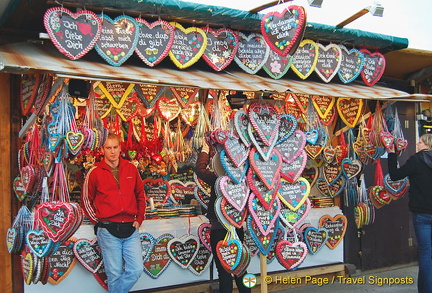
<point>45,58</point>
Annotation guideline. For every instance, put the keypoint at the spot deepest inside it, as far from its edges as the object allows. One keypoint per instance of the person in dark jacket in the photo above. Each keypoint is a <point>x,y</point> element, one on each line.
<point>418,168</point>
<point>113,199</point>
<point>218,232</point>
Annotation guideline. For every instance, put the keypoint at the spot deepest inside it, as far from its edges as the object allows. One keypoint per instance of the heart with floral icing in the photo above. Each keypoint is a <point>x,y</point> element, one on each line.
<point>191,112</point>
<point>305,59</point>
<point>188,46</point>
<point>202,261</point>
<point>337,186</point>
<point>28,178</point>
<point>313,151</point>
<point>263,242</point>
<point>341,152</point>
<point>292,171</point>
<point>291,218</point>
<point>235,194</point>
<point>118,39</point>
<point>265,121</point>
<point>183,250</point>
<point>229,253</point>
<point>181,190</point>
<point>158,263</point>
<point>352,63</point>
<point>315,238</point>
<point>265,218</point>
<point>265,195</point>
<point>291,255</point>
<point>158,189</point>
<point>374,67</point>
<point>283,31</point>
<point>336,227</point>
<point>276,65</point>
<point>154,41</point>
<point>293,194</point>
<point>56,219</point>
<point>74,34</point>
<point>329,153</point>
<point>267,171</point>
<point>18,188</point>
<point>351,167</point>
<point>234,216</point>
<point>221,47</point>
<point>204,234</point>
<point>349,110</point>
<point>75,141</point>
<point>62,261</point>
<point>252,52</point>
<point>89,254</point>
<point>293,146</point>
<point>168,109</point>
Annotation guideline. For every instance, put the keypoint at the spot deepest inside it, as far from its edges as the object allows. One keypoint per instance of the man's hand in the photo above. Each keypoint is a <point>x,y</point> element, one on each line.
<point>391,149</point>
<point>136,225</point>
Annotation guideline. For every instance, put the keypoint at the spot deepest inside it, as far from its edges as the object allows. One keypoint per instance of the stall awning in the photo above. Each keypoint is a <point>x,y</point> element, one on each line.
<point>45,58</point>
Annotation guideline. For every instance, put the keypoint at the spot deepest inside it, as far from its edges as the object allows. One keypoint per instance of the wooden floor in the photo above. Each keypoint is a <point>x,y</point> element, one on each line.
<point>280,280</point>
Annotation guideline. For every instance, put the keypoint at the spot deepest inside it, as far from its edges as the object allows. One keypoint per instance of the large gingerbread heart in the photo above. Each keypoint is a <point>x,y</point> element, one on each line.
<point>158,189</point>
<point>181,190</point>
<point>229,253</point>
<point>118,39</point>
<point>349,110</point>
<point>89,254</point>
<point>291,255</point>
<point>74,34</point>
<point>374,67</point>
<point>236,174</point>
<point>291,218</point>
<point>323,105</point>
<point>235,193</point>
<point>315,238</point>
<point>232,215</point>
<point>351,167</point>
<point>293,195</point>
<point>267,171</point>
<point>236,150</point>
<point>265,121</point>
<point>265,195</point>
<point>352,63</point>
<point>329,60</point>
<point>292,147</point>
<point>288,124</point>
<point>293,170</point>
<point>154,41</point>
<point>264,218</point>
<point>336,227</point>
<point>305,58</point>
<point>184,95</point>
<point>190,113</point>
<point>62,261</point>
<point>263,242</point>
<point>283,31</point>
<point>183,250</point>
<point>188,46</point>
<point>56,219</point>
<point>252,52</point>
<point>39,243</point>
<point>202,261</point>
<point>158,263</point>
<point>221,47</point>
<point>147,243</point>
<point>168,109</point>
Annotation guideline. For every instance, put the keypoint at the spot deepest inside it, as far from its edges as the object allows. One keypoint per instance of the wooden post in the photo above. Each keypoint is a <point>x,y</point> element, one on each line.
<point>263,271</point>
<point>5,182</point>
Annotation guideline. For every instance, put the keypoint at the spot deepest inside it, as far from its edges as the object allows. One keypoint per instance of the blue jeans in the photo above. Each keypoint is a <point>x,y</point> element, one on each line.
<point>122,259</point>
<point>423,230</point>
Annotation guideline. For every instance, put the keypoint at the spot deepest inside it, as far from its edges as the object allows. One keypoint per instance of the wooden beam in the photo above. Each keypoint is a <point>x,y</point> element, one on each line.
<point>352,18</point>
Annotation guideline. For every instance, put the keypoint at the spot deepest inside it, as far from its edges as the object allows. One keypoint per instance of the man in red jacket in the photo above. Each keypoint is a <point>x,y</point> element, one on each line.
<point>113,199</point>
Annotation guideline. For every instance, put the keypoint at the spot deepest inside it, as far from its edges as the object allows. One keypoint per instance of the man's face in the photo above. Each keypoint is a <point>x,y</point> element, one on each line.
<point>111,150</point>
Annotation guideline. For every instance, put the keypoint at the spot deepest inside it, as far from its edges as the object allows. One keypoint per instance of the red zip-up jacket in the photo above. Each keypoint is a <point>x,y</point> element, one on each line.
<point>103,199</point>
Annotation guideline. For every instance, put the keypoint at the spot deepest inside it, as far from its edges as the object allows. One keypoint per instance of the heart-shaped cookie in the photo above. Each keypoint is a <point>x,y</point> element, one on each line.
<point>267,171</point>
<point>168,109</point>
<point>276,65</point>
<point>293,195</point>
<point>292,171</point>
<point>183,250</point>
<point>351,167</point>
<point>336,227</point>
<point>349,110</point>
<point>265,195</point>
<point>88,253</point>
<point>234,216</point>
<point>236,174</point>
<point>156,265</point>
<point>315,238</point>
<point>229,253</point>
<point>265,121</point>
<point>291,255</point>
<point>201,262</point>
<point>158,189</point>
<point>74,34</point>
<point>264,218</point>
<point>184,95</point>
<point>39,243</point>
<point>263,242</point>
<point>188,46</point>
<point>293,146</point>
<point>293,219</point>
<point>221,47</point>
<point>118,39</point>
<point>352,63</point>
<point>154,41</point>
<point>305,59</point>
<point>191,112</point>
<point>236,194</point>
<point>287,126</point>
<point>241,122</point>
<point>252,52</point>
<point>323,105</point>
<point>204,234</point>
<point>374,67</point>
<point>329,60</point>
<point>283,31</point>
<point>62,261</point>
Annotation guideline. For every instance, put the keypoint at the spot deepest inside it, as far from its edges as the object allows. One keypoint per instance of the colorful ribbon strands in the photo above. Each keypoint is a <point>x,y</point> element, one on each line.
<point>279,47</point>
<point>275,161</point>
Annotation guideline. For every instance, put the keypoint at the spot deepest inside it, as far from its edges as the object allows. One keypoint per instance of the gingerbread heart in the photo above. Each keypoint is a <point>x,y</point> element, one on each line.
<point>352,63</point>
<point>395,187</point>
<point>191,112</point>
<point>147,243</point>
<point>323,105</point>
<point>89,254</point>
<point>236,174</point>
<point>129,109</point>
<point>232,215</point>
<point>310,173</point>
<point>293,146</point>
<point>293,195</point>
<point>229,253</point>
<point>236,194</point>
<point>287,126</point>
<point>315,238</point>
<point>266,196</point>
<point>204,234</point>
<point>183,250</point>
<point>241,121</point>
<point>168,109</point>
<point>184,95</point>
<point>62,261</point>
<point>158,189</point>
<point>349,110</point>
<point>221,47</point>
<point>291,255</point>
<point>283,31</point>
<point>29,86</point>
<point>276,65</point>
<point>252,52</point>
<point>158,263</point>
<point>118,39</point>
<point>154,41</point>
<point>329,61</point>
<point>374,67</point>
<point>291,218</point>
<point>27,266</point>
<point>263,242</point>
<point>264,218</point>
<point>292,171</point>
<point>188,46</point>
<point>305,59</point>
<point>351,167</point>
<point>267,171</point>
<point>336,227</point>
<point>236,150</point>
<point>39,243</point>
<point>74,34</point>
<point>265,121</point>
<point>201,262</point>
